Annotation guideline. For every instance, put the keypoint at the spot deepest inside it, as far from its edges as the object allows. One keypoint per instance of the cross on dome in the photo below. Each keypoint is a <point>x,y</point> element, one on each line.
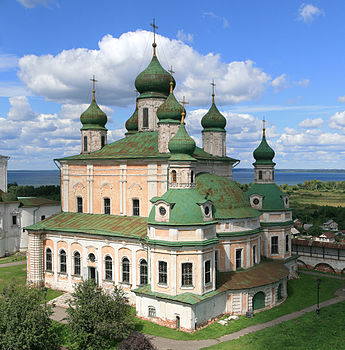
<point>93,86</point>
<point>184,102</point>
<point>263,126</point>
<point>153,25</point>
<point>213,94</point>
<point>171,79</point>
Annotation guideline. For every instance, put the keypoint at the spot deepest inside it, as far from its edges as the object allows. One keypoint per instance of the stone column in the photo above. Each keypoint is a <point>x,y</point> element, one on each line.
<point>36,259</point>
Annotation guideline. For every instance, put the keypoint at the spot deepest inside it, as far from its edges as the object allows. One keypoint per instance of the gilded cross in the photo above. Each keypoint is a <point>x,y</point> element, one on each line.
<point>184,102</point>
<point>263,126</point>
<point>93,86</point>
<point>171,79</point>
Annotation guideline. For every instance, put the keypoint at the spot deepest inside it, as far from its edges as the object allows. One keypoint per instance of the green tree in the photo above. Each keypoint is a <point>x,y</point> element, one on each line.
<point>315,230</point>
<point>25,323</point>
<point>97,318</point>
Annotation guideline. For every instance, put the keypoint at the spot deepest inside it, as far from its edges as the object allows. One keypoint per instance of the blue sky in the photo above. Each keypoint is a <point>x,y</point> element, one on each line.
<point>282,60</point>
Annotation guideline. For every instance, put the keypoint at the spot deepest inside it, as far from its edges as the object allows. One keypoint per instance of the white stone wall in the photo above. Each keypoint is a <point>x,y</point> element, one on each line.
<point>267,173</point>
<point>94,140</point>
<point>165,133</point>
<point>3,173</point>
<point>152,104</point>
<point>35,271</point>
<point>220,168</point>
<point>214,142</point>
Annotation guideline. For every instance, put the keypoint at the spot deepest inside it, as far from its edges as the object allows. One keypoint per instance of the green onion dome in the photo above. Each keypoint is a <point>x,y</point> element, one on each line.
<point>181,142</point>
<point>154,80</point>
<point>264,153</point>
<point>132,122</point>
<point>170,110</point>
<point>93,117</point>
<point>213,119</point>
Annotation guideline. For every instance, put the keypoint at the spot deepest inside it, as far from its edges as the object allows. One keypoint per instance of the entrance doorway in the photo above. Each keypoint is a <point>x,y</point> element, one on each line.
<point>259,301</point>
<point>177,322</point>
<point>92,273</point>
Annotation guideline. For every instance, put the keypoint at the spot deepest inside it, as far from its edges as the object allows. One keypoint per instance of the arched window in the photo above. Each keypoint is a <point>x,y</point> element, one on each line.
<point>102,141</point>
<point>143,272</point>
<point>287,245</point>
<point>106,205</point>
<point>63,261</point>
<point>192,177</point>
<point>162,272</point>
<point>145,117</point>
<point>173,176</point>
<point>274,245</point>
<point>85,143</point>
<point>79,204</point>
<point>152,311</point>
<point>49,260</point>
<point>108,268</point>
<point>187,274</point>
<point>125,270</point>
<point>260,175</point>
<point>76,260</point>
<point>136,207</point>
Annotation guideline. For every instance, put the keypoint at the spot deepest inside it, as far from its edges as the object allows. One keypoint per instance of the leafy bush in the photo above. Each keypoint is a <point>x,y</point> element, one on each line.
<point>25,323</point>
<point>97,318</point>
<point>136,341</point>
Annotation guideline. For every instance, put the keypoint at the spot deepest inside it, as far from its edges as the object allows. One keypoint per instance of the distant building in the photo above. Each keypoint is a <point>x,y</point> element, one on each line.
<point>330,225</point>
<point>326,237</point>
<point>16,213</point>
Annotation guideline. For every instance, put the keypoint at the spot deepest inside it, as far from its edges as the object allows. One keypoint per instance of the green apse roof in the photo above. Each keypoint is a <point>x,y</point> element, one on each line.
<point>228,199</point>
<point>132,122</point>
<point>141,145</point>
<point>170,111</point>
<point>93,117</point>
<point>264,153</point>
<point>272,196</point>
<point>154,81</point>
<point>185,207</point>
<point>181,145</point>
<point>213,120</point>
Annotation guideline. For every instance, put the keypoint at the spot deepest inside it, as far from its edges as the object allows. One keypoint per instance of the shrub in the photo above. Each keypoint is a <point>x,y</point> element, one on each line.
<point>97,318</point>
<point>136,341</point>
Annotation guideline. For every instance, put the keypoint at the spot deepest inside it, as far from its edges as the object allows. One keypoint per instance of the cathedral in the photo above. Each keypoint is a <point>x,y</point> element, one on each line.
<point>162,218</point>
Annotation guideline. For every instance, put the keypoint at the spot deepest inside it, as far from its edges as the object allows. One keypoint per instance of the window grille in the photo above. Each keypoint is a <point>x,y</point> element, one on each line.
<point>187,274</point>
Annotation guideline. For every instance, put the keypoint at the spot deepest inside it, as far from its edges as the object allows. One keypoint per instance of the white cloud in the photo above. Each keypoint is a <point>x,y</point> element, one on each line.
<point>341,99</point>
<point>10,89</point>
<point>311,123</point>
<point>308,12</point>
<point>280,83</point>
<point>33,3</point>
<point>302,83</point>
<point>20,109</point>
<point>337,121</point>
<point>8,62</point>
<point>185,37</point>
<point>65,77</point>
<point>223,20</point>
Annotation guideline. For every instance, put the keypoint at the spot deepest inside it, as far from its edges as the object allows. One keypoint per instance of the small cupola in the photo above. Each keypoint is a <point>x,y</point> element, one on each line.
<point>93,131</point>
<point>170,111</point>
<point>263,165</point>
<point>132,122</point>
<point>214,133</point>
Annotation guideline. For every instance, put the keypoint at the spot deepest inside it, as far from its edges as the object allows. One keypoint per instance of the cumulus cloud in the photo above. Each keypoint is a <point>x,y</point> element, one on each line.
<point>307,12</point>
<point>33,3</point>
<point>185,37</point>
<point>341,99</point>
<point>117,62</point>
<point>223,20</point>
<point>311,123</point>
<point>337,121</point>
<point>20,109</point>
<point>280,83</point>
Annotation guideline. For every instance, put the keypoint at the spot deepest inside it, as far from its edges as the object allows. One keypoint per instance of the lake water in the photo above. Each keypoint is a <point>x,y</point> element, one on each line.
<point>282,176</point>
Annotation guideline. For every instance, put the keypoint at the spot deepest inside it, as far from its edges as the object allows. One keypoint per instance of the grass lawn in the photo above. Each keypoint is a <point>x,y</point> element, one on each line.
<point>302,293</point>
<point>17,275</point>
<point>310,331</point>
<point>13,258</point>
<point>303,197</point>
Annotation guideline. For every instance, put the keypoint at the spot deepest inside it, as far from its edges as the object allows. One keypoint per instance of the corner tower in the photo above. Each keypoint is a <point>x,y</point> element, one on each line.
<point>93,131</point>
<point>213,133</point>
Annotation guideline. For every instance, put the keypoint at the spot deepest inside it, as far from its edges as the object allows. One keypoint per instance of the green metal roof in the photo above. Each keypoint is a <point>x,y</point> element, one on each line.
<point>213,120</point>
<point>272,196</point>
<point>93,117</point>
<point>132,122</point>
<point>263,153</point>
<point>154,81</point>
<point>229,200</point>
<point>137,146</point>
<point>185,207</point>
<point>181,142</point>
<point>94,224</point>
<point>260,275</point>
